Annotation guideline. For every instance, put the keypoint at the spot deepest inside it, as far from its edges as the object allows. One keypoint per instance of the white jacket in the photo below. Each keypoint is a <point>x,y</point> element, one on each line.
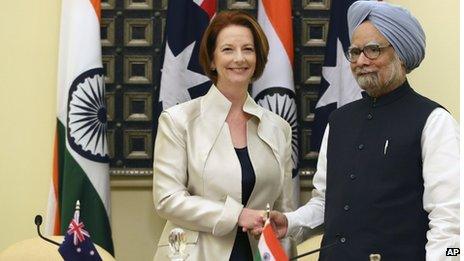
<point>197,174</point>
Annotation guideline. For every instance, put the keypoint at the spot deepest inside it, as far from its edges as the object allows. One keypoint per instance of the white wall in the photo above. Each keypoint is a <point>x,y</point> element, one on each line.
<point>28,53</point>
<point>438,75</point>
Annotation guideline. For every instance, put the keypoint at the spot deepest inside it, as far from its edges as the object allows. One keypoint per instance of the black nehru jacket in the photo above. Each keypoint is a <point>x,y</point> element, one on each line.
<point>374,178</point>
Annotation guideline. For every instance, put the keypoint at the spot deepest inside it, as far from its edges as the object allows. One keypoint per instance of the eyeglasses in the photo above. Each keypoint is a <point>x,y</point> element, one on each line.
<point>371,51</point>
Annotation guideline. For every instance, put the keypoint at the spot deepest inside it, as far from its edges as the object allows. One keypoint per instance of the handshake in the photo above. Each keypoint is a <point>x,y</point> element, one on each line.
<point>252,221</point>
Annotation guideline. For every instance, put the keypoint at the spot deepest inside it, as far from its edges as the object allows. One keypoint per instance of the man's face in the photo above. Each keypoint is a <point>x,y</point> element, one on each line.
<point>380,75</point>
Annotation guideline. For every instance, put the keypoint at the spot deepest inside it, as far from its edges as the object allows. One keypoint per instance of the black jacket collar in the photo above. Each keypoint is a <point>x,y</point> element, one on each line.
<point>390,97</point>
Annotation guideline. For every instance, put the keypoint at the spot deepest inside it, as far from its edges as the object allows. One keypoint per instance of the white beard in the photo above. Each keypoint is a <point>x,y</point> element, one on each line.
<point>371,83</point>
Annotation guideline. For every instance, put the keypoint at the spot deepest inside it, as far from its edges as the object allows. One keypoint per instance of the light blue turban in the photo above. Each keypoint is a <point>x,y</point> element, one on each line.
<point>401,29</point>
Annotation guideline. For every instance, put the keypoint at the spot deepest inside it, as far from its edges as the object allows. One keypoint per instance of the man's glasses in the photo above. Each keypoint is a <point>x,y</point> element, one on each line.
<point>371,51</point>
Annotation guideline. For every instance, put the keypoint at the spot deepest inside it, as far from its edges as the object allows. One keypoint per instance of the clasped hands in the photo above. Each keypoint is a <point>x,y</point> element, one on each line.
<point>252,221</point>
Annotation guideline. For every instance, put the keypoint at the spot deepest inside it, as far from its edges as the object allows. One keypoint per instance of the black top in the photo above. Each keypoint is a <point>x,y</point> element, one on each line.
<point>242,250</point>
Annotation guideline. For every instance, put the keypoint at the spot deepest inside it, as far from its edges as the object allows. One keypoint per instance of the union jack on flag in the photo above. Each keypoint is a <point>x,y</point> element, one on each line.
<point>76,228</point>
<point>77,244</point>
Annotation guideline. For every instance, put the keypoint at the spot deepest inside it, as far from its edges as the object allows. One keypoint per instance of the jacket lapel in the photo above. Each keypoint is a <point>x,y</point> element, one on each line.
<point>265,128</point>
<point>214,110</point>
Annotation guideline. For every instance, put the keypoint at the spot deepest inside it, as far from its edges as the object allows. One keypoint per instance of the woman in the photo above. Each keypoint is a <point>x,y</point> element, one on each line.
<point>220,158</point>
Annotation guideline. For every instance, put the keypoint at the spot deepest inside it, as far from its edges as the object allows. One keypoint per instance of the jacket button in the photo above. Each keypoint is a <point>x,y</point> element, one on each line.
<point>352,176</point>
<point>346,207</point>
<point>369,116</point>
<point>360,146</point>
<point>343,239</point>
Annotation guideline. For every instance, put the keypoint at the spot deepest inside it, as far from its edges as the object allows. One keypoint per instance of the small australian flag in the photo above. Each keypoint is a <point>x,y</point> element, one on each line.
<point>77,245</point>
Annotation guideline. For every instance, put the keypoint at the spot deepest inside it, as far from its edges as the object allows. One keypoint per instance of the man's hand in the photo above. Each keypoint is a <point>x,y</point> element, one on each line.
<point>251,219</point>
<point>279,223</point>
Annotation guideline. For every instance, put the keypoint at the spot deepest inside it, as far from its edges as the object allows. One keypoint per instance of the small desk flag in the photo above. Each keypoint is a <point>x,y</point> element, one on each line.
<point>77,244</point>
<point>269,247</point>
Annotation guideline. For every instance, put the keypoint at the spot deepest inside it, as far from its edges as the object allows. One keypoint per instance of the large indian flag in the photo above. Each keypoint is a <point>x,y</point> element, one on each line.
<point>275,89</point>
<point>80,165</point>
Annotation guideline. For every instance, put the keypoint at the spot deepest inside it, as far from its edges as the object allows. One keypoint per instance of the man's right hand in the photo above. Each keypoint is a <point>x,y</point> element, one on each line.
<point>279,223</point>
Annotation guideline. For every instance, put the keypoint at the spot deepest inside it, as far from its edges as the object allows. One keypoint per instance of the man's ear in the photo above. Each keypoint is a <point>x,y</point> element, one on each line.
<point>403,66</point>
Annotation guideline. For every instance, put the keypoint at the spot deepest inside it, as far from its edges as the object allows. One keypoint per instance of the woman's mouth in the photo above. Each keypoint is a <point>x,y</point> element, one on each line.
<point>239,70</point>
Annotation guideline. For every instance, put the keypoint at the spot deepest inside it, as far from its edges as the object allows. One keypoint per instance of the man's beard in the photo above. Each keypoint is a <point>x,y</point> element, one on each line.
<point>370,81</point>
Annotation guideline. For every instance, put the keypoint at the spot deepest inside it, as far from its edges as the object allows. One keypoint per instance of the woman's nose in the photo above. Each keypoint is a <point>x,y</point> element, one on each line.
<point>238,57</point>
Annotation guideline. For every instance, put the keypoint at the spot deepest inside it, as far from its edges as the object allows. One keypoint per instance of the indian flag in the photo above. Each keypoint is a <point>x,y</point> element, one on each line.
<point>269,248</point>
<point>275,89</point>
<point>80,165</point>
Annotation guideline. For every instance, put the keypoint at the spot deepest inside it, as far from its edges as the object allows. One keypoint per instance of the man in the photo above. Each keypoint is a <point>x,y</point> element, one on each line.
<point>387,179</point>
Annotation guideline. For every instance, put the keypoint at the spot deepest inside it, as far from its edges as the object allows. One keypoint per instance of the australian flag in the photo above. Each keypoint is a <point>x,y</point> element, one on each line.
<point>182,77</point>
<point>77,244</point>
<point>338,86</point>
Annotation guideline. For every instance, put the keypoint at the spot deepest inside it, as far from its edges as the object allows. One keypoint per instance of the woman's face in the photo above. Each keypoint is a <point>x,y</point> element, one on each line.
<point>234,58</point>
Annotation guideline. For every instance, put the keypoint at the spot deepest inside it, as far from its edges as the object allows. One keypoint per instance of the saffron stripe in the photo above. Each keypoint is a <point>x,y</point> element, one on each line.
<point>279,13</point>
<point>97,7</point>
<point>55,177</point>
<point>273,244</point>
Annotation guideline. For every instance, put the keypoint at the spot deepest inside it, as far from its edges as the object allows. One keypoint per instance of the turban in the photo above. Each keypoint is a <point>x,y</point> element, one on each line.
<point>395,23</point>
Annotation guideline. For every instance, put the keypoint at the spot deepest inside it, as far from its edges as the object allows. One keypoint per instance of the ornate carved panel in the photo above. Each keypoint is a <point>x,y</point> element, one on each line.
<point>107,32</point>
<point>138,144</point>
<point>307,105</point>
<point>132,64</point>
<point>137,69</point>
<point>137,106</point>
<point>314,32</point>
<point>306,148</point>
<point>316,4</point>
<point>311,68</point>
<point>164,5</point>
<point>109,68</point>
<point>110,106</point>
<point>110,139</point>
<point>107,4</point>
<point>241,4</point>
<point>138,4</point>
<point>310,27</point>
<point>138,32</point>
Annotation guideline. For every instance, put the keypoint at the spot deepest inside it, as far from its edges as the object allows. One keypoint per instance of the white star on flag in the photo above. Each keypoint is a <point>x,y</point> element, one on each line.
<point>177,78</point>
<point>343,88</point>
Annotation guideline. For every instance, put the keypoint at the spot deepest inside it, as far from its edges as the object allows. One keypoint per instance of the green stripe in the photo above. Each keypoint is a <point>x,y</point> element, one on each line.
<point>61,144</point>
<point>75,185</point>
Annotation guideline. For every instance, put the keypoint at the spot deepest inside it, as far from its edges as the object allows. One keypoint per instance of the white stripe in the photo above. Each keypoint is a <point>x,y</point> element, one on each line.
<point>51,209</point>
<point>264,250</point>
